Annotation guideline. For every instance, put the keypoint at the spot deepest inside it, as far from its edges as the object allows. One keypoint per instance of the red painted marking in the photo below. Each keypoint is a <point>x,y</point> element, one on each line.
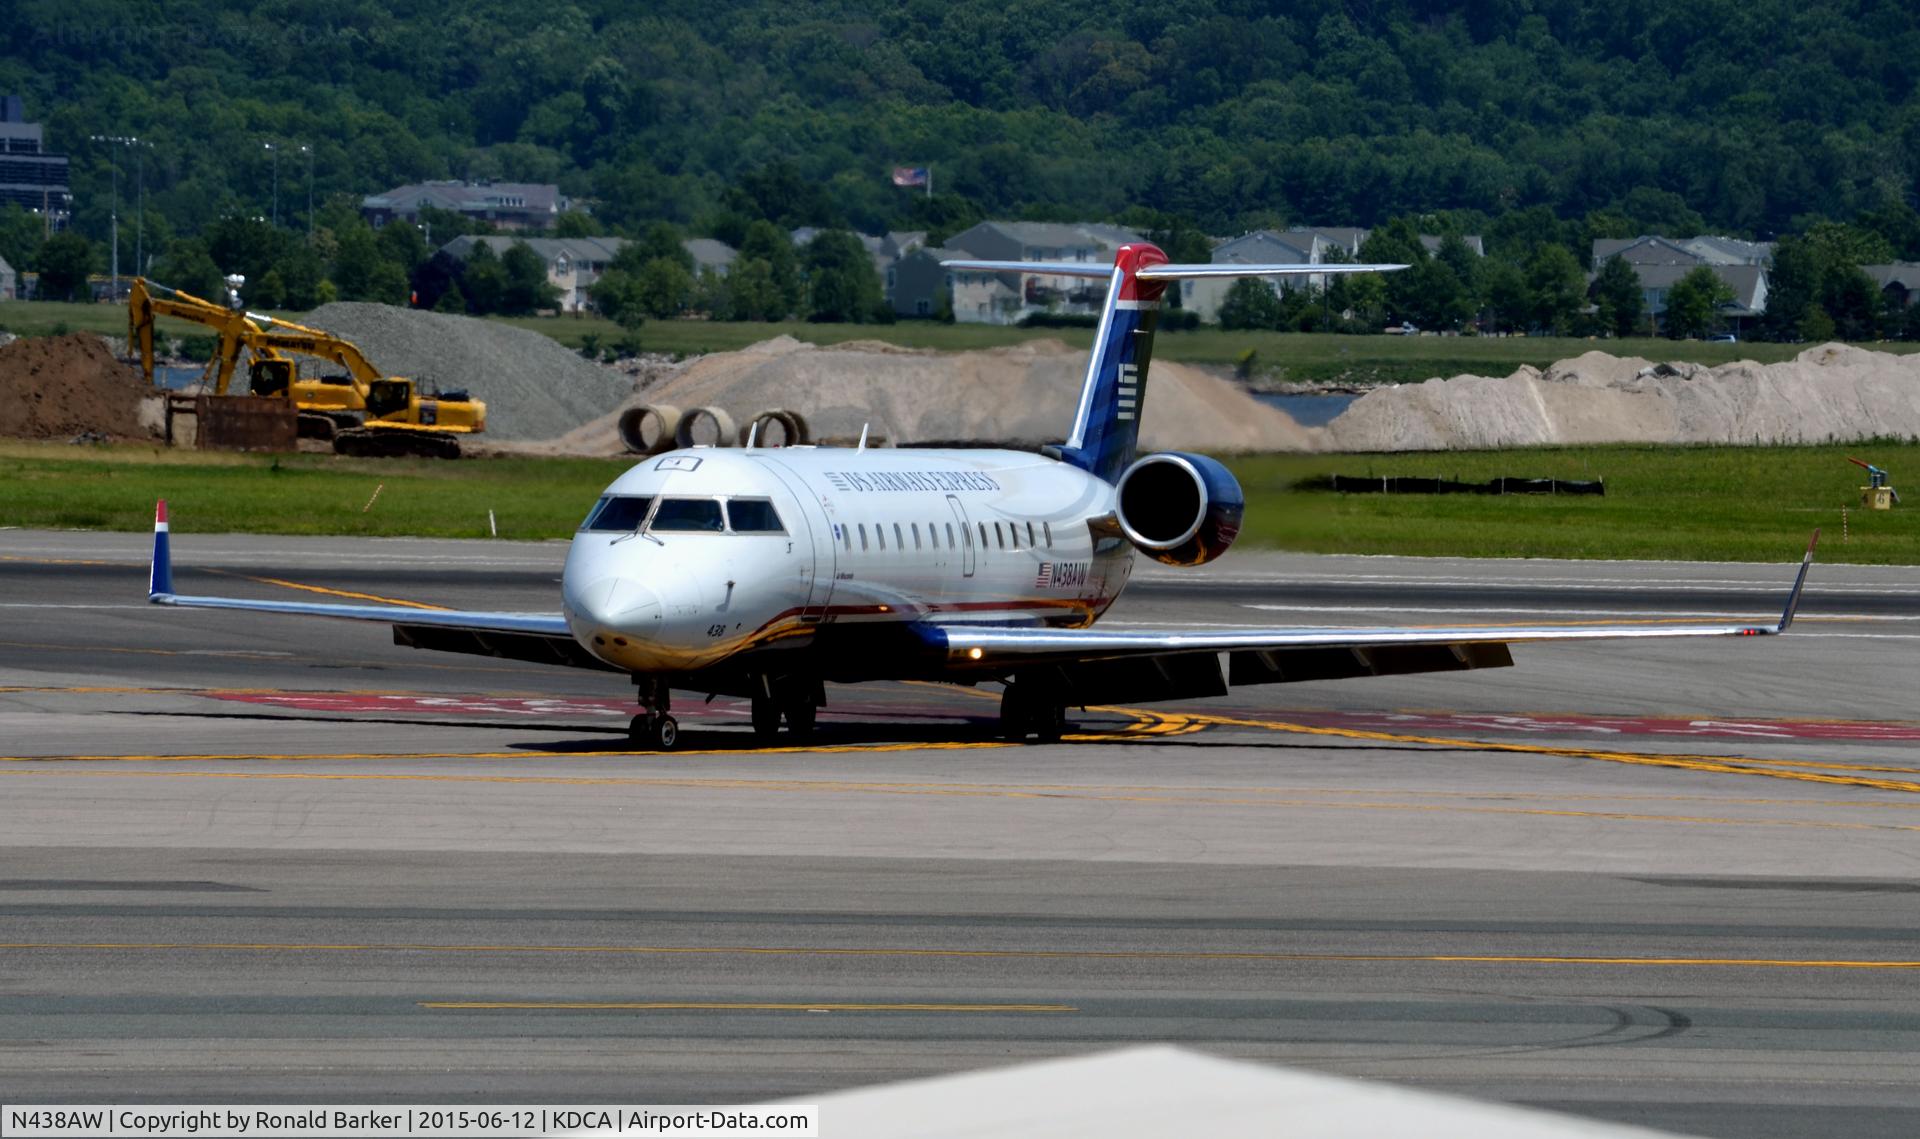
<point>1130,259</point>
<point>160,511</point>
<point>1545,725</point>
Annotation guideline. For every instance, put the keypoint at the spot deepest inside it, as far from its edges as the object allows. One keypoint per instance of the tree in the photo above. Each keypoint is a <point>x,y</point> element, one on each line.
<point>483,281</point>
<point>361,270</point>
<point>766,242</point>
<point>1693,303</point>
<point>842,286</point>
<point>20,235</point>
<point>665,288</point>
<point>64,262</point>
<point>617,295</point>
<point>575,223</point>
<point>661,241</point>
<point>1250,304</point>
<point>186,265</point>
<point>753,294</point>
<point>1558,287</point>
<point>527,288</point>
<point>1619,297</point>
<point>1508,302</point>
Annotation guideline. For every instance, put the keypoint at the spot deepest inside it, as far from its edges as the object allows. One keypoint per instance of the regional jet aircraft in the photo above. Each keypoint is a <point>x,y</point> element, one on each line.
<point>764,572</point>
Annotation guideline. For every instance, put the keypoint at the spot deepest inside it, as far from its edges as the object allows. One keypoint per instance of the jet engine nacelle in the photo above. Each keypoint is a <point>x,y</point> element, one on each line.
<point>1180,509</point>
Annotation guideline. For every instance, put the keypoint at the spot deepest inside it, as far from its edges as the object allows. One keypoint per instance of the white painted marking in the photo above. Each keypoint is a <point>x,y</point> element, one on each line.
<point>1389,607</point>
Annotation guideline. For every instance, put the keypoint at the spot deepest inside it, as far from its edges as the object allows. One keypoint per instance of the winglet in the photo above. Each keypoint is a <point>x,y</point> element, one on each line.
<point>160,578</point>
<point>1799,584</point>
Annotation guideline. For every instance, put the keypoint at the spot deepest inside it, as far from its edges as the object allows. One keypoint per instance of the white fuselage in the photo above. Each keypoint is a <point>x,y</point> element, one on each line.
<point>805,538</point>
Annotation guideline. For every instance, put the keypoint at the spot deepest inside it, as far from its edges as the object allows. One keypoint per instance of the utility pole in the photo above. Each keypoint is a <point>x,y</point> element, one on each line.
<point>113,160</point>
<point>308,151</point>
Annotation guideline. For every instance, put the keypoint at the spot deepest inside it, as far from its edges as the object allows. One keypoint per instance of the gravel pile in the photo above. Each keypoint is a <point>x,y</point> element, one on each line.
<point>1022,396</point>
<point>534,387</point>
<point>1831,393</point>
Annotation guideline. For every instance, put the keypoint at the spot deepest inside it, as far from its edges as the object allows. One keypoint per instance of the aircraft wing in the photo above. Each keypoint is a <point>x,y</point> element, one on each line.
<point>540,637</point>
<point>1203,662</point>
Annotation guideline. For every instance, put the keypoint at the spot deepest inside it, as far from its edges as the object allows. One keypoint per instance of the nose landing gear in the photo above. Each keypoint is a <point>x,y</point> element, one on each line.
<point>653,729</point>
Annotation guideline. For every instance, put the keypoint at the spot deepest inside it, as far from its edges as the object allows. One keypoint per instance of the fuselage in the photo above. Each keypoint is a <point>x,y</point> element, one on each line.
<point>697,556</point>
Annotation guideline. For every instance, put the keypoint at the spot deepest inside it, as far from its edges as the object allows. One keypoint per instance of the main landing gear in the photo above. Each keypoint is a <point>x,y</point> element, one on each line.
<point>1027,709</point>
<point>795,700</point>
<point>653,729</point>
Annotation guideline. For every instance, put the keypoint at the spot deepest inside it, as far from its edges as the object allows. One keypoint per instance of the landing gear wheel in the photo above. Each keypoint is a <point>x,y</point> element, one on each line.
<point>1014,715</point>
<point>656,733</point>
<point>766,718</point>
<point>800,718</point>
<point>1049,722</point>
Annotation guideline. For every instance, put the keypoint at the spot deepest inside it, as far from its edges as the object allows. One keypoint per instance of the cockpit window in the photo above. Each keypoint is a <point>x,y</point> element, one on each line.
<point>698,514</point>
<point>622,512</point>
<point>753,516</point>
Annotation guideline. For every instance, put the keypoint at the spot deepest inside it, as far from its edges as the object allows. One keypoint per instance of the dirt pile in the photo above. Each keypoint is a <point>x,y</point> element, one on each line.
<point>1021,395</point>
<point>62,386</point>
<point>534,387</point>
<point>1832,393</point>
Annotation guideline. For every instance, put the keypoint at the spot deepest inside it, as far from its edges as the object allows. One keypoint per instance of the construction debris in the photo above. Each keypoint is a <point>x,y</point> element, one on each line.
<point>63,387</point>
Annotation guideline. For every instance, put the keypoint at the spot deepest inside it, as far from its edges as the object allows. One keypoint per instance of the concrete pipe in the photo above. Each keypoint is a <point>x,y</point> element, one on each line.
<point>649,429</point>
<point>689,433</point>
<point>776,428</point>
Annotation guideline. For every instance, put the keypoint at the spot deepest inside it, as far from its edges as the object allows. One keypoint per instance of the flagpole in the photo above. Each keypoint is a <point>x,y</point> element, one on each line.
<point>929,181</point>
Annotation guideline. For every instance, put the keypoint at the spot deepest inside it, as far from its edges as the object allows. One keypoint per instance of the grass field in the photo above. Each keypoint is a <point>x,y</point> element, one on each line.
<point>1277,356</point>
<point>1684,503</point>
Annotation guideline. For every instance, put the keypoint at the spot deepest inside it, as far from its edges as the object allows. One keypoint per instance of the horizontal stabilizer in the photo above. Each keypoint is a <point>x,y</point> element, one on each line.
<point>1164,272</point>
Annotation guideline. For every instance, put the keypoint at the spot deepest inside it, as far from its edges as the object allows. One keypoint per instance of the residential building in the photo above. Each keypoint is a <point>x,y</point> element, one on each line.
<point>917,282</point>
<point>30,177</point>
<point>9,282</point>
<point>1899,282</point>
<point>1009,297</point>
<point>1748,282</point>
<point>1651,249</point>
<point>508,205</point>
<point>575,263</point>
<point>1261,247</point>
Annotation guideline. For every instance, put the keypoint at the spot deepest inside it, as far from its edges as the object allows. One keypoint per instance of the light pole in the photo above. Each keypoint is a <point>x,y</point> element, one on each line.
<point>308,151</point>
<point>114,161</point>
<point>275,151</point>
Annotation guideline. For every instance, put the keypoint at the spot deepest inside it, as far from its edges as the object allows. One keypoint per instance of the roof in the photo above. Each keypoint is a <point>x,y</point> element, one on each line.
<point>547,248</point>
<point>709,253</point>
<point>1144,1093</point>
<point>1345,235</point>
<point>1054,235</point>
<point>1730,250</point>
<point>1747,281</point>
<point>1647,249</point>
<point>469,197</point>
<point>1905,274</point>
<point>1239,250</point>
<point>1431,242</point>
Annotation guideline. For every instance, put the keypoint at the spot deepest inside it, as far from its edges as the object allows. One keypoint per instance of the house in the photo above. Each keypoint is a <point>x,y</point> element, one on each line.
<point>1650,249</point>
<point>1261,247</point>
<point>508,205</point>
<point>575,263</point>
<point>9,282</point>
<point>1009,297</point>
<point>1899,282</point>
<point>1344,237</point>
<point>917,282</point>
<point>1748,282</point>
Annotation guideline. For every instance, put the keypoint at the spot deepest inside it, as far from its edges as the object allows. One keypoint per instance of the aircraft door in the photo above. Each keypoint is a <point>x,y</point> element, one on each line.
<point>966,536</point>
<point>814,547</point>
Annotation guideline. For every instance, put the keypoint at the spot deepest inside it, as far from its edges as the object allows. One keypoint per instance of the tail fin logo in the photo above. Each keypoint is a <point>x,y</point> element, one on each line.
<point>1130,384</point>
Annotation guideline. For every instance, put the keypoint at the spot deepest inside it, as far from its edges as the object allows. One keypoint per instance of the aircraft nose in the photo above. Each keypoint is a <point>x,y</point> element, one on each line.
<point>618,603</point>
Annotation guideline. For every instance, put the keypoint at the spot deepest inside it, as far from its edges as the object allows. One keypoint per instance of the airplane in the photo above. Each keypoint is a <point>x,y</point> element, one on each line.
<point>765,572</point>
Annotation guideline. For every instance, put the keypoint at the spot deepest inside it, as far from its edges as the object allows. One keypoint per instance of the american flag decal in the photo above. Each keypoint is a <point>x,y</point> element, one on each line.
<point>1045,577</point>
<point>1129,391</point>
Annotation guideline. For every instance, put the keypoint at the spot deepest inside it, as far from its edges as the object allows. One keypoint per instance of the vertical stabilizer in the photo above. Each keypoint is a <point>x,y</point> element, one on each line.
<point>1106,427</point>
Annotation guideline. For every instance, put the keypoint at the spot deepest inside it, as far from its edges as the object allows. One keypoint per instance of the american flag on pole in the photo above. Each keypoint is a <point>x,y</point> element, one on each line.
<point>910,176</point>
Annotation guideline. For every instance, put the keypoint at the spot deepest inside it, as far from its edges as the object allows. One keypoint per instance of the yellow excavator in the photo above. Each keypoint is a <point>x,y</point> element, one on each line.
<point>364,412</point>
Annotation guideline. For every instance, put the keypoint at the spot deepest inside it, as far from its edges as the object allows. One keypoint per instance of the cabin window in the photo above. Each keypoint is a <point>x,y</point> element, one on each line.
<point>880,535</point>
<point>622,512</point>
<point>983,535</point>
<point>1030,542</point>
<point>754,516</point>
<point>846,537</point>
<point>999,538</point>
<point>863,537</point>
<point>689,514</point>
<point>899,539</point>
<point>916,535</point>
<point>1046,531</point>
<point>950,544</point>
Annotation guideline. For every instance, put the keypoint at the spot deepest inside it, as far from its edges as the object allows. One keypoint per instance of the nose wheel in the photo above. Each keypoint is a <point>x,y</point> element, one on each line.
<point>653,729</point>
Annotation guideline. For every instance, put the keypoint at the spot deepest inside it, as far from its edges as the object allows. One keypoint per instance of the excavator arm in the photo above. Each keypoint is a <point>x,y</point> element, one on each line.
<point>148,301</point>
